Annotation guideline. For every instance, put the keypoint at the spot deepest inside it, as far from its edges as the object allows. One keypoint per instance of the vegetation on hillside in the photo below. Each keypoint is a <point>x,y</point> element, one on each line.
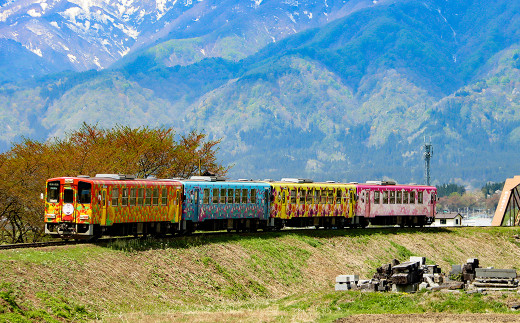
<point>89,150</point>
<point>281,276</point>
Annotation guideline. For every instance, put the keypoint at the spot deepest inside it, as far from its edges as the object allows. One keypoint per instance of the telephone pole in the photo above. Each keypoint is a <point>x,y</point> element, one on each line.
<point>428,153</point>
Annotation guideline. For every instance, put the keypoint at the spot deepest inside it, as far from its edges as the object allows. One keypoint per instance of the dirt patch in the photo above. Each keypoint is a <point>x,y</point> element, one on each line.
<point>431,318</point>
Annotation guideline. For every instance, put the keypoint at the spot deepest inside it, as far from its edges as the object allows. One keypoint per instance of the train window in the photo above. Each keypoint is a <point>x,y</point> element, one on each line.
<point>148,197</point>
<point>68,196</point>
<point>84,190</point>
<point>330,200</point>
<point>195,196</point>
<point>103,198</point>
<point>338,196</point>
<point>310,195</point>
<point>283,197</point>
<point>385,197</point>
<point>115,196</point>
<point>253,195</point>
<point>324,197</point>
<point>132,198</point>
<point>178,198</point>
<point>303,193</point>
<point>405,197</point>
<point>155,196</point>
<point>223,195</point>
<point>53,192</point>
<point>392,197</point>
<point>214,199</point>
<point>140,196</point>
<point>412,197</point>
<point>124,197</point>
<point>237,196</point>
<point>164,196</point>
<point>399,197</point>
<point>244,196</point>
<point>205,196</point>
<point>420,197</point>
<point>377,198</point>
<point>293,197</point>
<point>317,194</point>
<point>230,194</point>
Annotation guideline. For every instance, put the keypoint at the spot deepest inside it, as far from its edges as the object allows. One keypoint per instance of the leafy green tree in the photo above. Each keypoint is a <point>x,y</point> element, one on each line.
<point>448,189</point>
<point>491,187</point>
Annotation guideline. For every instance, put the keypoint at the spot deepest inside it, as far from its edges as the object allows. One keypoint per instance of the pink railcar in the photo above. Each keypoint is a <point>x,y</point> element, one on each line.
<point>385,203</point>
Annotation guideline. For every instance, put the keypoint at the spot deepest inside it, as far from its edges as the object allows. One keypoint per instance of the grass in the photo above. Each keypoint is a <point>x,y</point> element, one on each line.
<point>274,276</point>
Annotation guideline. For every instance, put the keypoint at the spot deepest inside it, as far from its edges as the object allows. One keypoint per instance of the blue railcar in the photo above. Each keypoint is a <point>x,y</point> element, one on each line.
<point>213,204</point>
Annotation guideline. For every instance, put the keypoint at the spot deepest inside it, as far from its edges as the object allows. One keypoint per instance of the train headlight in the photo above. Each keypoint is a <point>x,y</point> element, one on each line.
<point>50,216</point>
<point>83,217</point>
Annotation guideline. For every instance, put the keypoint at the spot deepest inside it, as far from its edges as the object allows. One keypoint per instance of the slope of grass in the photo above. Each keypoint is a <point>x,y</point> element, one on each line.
<point>281,276</point>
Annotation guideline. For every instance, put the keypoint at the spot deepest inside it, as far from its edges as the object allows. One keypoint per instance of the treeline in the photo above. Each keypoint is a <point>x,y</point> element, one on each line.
<point>90,150</point>
<point>453,197</point>
<point>448,189</point>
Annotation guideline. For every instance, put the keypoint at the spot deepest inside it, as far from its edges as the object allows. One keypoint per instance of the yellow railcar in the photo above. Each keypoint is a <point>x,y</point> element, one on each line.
<point>302,203</point>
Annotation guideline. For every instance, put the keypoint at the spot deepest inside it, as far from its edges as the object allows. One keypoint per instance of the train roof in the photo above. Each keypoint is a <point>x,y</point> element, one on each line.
<point>114,178</point>
<point>391,184</point>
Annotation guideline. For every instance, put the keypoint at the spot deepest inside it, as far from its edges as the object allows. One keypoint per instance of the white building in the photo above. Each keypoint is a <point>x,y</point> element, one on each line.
<point>452,219</point>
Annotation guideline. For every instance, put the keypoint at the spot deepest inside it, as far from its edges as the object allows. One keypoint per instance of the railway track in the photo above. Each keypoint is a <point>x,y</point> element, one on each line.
<point>38,244</point>
<point>204,233</point>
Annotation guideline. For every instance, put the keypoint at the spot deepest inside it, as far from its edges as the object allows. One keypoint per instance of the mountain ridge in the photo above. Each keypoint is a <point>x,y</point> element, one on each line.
<point>351,100</point>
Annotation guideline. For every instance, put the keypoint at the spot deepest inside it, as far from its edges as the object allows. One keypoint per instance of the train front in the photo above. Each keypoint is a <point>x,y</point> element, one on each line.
<point>68,210</point>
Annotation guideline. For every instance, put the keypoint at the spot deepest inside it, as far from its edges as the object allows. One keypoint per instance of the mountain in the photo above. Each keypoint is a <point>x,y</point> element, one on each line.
<point>82,35</point>
<point>350,100</point>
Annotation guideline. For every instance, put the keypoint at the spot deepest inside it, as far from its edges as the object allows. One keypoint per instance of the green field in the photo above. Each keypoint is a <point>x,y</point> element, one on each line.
<point>282,276</point>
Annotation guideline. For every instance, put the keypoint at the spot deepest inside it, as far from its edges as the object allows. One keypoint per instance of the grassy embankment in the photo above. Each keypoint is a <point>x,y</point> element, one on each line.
<point>279,276</point>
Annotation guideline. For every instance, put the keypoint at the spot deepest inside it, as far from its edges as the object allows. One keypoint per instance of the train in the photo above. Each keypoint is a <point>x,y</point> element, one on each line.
<point>86,207</point>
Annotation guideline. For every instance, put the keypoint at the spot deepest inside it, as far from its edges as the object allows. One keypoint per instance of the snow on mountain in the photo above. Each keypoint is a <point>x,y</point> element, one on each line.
<point>92,34</point>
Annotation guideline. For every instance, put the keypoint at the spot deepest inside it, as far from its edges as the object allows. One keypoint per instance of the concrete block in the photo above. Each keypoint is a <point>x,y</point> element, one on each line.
<point>342,286</point>
<point>347,278</point>
<point>411,288</point>
<point>423,285</point>
<point>420,260</point>
<point>495,273</point>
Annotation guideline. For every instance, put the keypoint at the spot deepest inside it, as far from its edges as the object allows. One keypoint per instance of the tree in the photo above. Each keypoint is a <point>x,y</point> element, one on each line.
<point>141,152</point>
<point>491,187</point>
<point>448,189</point>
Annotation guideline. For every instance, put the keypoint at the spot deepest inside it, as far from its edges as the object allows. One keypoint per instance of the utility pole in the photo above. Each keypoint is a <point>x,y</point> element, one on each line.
<point>428,153</point>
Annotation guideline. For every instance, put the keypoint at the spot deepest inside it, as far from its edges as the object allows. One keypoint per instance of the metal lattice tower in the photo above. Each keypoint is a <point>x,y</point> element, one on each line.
<point>428,153</point>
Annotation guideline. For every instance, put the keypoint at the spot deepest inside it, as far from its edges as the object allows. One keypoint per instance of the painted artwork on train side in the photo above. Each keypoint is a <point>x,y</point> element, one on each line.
<point>291,200</point>
<point>225,200</point>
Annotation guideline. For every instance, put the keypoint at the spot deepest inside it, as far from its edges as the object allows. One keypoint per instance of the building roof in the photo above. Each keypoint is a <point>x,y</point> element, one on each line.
<point>448,215</point>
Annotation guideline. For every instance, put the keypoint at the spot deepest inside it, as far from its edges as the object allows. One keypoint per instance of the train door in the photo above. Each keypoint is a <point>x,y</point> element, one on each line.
<point>283,208</point>
<point>178,203</point>
<point>433,200</point>
<point>366,195</point>
<point>103,206</point>
<point>267,195</point>
<point>195,201</point>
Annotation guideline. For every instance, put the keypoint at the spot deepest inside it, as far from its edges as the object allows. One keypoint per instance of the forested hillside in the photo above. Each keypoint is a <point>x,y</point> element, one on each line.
<point>352,100</point>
